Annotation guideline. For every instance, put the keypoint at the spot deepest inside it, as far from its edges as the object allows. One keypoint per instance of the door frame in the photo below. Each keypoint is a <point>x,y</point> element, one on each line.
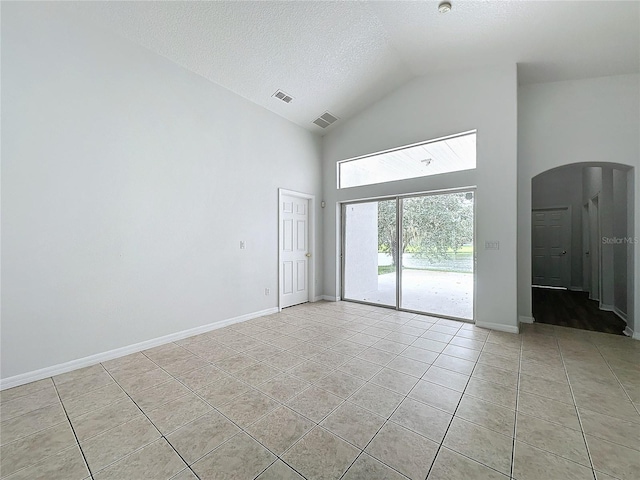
<point>595,291</point>
<point>398,199</point>
<point>569,240</point>
<point>586,249</point>
<point>311,242</point>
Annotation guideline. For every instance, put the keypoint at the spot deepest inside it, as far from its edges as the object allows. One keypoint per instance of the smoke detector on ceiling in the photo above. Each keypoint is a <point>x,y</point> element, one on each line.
<point>325,120</point>
<point>280,95</point>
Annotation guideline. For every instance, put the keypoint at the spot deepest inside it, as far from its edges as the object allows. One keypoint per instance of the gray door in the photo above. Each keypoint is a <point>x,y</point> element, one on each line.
<point>551,243</point>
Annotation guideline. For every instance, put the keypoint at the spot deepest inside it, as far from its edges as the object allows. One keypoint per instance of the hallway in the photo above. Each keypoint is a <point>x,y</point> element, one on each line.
<point>565,308</point>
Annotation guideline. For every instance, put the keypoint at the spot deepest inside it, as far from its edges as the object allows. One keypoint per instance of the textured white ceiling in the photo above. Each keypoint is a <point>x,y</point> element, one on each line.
<point>550,40</point>
<point>343,56</point>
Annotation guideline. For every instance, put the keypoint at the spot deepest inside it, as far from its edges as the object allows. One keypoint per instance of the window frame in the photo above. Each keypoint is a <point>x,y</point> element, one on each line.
<point>339,163</point>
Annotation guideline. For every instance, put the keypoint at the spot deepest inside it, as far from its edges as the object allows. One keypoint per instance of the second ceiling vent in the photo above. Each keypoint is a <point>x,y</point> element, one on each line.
<point>325,120</point>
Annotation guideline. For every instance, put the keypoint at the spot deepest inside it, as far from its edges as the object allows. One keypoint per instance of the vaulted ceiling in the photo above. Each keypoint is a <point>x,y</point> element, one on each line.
<point>341,56</point>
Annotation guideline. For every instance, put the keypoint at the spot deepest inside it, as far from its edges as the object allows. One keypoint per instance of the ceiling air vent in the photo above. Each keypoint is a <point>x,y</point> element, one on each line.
<point>280,95</point>
<point>325,120</point>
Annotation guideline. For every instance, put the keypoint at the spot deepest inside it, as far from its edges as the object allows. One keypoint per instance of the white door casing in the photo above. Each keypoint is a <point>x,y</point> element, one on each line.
<point>594,249</point>
<point>551,243</point>
<point>295,252</point>
<point>586,249</point>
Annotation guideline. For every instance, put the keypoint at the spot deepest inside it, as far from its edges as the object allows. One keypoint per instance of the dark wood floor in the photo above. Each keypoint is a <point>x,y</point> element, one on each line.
<point>575,310</point>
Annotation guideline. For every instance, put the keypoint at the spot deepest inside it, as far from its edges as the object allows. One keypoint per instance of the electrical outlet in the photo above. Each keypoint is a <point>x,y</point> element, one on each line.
<point>267,291</point>
<point>492,245</point>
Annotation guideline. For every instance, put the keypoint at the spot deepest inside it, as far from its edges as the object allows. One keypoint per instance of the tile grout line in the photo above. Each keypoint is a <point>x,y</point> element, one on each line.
<point>335,369</point>
<point>617,378</point>
<point>575,405</point>
<point>453,415</point>
<point>213,407</point>
<point>388,419</point>
<point>283,405</point>
<point>515,420</point>
<point>242,429</point>
<point>154,426</point>
<point>362,451</point>
<point>24,394</point>
<point>398,406</point>
<point>321,332</point>
<point>72,429</point>
<point>35,432</point>
<point>625,391</point>
<point>60,401</point>
<point>252,387</point>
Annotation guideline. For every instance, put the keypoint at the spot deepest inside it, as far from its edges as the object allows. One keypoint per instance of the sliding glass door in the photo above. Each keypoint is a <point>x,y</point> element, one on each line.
<point>369,273</point>
<point>437,258</point>
<point>413,253</point>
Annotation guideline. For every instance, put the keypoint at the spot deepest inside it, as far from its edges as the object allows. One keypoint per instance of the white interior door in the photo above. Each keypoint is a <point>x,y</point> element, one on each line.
<point>551,243</point>
<point>294,250</point>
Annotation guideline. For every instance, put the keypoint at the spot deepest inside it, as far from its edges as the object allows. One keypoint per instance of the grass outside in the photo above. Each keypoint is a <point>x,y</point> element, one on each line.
<point>463,249</point>
<point>460,262</point>
<point>382,269</point>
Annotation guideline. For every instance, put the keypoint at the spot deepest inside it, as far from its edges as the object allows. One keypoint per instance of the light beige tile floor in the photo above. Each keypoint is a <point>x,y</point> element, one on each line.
<point>338,390</point>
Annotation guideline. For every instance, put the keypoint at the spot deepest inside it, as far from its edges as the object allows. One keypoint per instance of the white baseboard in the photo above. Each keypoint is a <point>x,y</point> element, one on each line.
<point>606,308</point>
<point>576,289</point>
<point>636,335</point>
<point>329,298</point>
<point>620,314</point>
<point>628,332</point>
<point>46,372</point>
<point>526,319</point>
<point>498,326</point>
<point>318,298</point>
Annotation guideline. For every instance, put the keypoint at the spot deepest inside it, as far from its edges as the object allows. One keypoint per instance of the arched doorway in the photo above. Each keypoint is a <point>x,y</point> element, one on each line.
<point>582,246</point>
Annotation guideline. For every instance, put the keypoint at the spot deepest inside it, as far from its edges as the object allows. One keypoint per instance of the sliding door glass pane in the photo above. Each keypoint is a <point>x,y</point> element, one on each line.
<point>369,243</point>
<point>437,258</point>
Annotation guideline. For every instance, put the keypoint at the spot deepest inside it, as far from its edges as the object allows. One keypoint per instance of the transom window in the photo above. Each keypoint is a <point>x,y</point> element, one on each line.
<point>443,155</point>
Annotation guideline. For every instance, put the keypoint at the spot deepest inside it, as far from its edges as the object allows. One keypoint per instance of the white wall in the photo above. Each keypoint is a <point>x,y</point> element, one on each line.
<point>633,253</point>
<point>361,274</point>
<point>428,108</point>
<point>591,183</point>
<point>563,188</point>
<point>592,120</point>
<point>620,230</point>
<point>605,206</point>
<point>127,185</point>
<point>591,193</point>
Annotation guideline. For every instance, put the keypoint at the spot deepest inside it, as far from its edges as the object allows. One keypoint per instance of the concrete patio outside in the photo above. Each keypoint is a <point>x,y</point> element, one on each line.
<point>440,293</point>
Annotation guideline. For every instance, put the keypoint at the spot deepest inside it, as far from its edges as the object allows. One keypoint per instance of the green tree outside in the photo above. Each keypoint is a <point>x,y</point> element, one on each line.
<point>434,227</point>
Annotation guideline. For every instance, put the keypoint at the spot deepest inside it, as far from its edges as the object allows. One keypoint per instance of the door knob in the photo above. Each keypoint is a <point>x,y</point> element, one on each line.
<point>564,252</point>
<point>308,255</point>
